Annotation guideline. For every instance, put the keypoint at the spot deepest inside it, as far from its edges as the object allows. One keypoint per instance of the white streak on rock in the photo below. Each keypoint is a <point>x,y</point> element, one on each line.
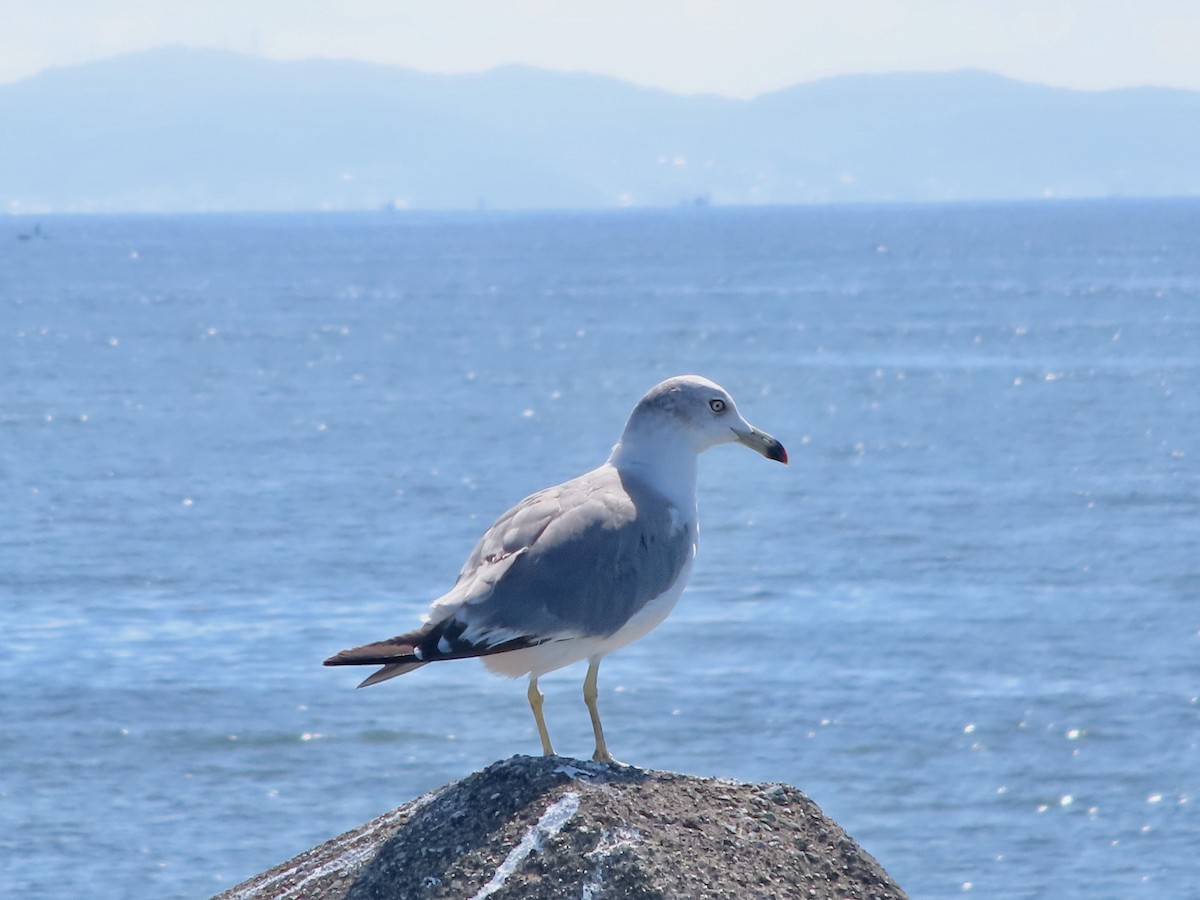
<point>610,843</point>
<point>553,819</point>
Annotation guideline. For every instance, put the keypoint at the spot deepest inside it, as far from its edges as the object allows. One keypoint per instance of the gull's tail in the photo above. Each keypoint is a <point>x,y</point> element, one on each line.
<point>429,643</point>
<point>397,656</point>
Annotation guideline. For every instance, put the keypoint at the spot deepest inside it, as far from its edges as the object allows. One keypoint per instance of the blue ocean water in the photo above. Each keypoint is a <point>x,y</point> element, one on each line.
<point>965,619</point>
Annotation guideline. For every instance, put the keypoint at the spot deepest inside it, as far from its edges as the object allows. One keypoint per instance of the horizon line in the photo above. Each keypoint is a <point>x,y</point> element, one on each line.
<point>682,207</point>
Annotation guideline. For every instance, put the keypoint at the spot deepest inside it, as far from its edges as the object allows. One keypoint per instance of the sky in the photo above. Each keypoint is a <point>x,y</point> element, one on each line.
<point>737,48</point>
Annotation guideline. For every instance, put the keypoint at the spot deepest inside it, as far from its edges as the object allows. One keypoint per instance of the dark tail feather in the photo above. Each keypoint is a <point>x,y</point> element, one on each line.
<point>429,643</point>
<point>395,655</point>
<point>391,670</point>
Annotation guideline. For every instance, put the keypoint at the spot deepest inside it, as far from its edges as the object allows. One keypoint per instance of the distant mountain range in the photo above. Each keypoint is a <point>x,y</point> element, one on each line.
<point>182,129</point>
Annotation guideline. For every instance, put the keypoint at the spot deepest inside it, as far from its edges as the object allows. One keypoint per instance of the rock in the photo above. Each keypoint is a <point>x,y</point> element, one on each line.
<point>546,828</point>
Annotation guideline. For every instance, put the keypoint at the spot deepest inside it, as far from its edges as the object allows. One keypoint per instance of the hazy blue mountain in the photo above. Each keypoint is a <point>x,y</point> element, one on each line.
<point>180,129</point>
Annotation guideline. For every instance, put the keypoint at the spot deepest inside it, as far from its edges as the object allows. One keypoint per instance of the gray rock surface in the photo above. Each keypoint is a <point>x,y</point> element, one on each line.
<point>542,828</point>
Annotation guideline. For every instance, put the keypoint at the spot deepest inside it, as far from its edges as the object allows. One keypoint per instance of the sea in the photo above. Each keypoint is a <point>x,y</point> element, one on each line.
<point>965,619</point>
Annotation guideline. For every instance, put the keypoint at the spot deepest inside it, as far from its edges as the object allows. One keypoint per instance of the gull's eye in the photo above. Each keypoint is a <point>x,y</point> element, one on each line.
<point>716,405</point>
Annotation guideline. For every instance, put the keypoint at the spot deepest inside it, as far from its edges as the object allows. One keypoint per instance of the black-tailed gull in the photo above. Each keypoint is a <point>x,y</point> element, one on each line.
<point>579,569</point>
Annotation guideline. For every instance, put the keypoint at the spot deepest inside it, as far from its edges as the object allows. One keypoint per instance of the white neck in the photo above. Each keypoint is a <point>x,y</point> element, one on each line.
<point>662,458</point>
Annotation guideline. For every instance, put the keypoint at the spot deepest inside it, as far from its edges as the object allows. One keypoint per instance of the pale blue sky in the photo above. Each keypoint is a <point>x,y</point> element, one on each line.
<point>733,47</point>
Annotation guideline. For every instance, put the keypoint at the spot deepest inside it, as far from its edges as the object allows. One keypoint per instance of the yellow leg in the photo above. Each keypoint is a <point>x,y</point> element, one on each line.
<point>535,703</point>
<point>589,697</point>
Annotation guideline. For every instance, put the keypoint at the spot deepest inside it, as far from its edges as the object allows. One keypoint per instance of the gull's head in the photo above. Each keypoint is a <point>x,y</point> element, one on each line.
<point>698,412</point>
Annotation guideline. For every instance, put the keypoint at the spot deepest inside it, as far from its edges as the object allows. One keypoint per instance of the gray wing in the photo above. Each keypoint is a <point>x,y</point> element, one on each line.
<point>578,559</point>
